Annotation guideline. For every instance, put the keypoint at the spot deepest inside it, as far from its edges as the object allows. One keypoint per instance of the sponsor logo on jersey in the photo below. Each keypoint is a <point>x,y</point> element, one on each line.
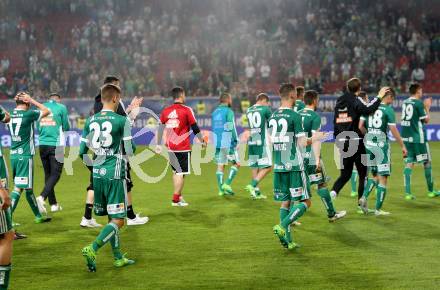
<point>19,180</point>
<point>116,208</point>
<point>343,118</point>
<point>173,120</point>
<point>296,192</point>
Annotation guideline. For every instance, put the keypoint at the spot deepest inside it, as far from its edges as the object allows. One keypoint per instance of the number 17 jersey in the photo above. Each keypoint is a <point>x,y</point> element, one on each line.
<point>21,126</point>
<point>285,126</point>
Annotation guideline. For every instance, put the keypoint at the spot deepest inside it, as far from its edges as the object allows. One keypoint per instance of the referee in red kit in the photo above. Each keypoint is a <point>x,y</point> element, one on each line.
<point>178,120</point>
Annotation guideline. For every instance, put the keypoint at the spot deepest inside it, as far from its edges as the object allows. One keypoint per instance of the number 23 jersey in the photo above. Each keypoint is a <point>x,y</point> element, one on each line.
<point>285,126</point>
<point>107,133</point>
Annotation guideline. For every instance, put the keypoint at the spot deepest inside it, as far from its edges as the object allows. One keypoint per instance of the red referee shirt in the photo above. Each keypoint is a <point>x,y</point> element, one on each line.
<point>178,119</point>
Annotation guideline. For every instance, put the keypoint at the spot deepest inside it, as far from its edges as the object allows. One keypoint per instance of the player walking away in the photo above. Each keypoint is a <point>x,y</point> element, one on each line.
<point>132,218</point>
<point>177,120</point>
<point>6,230</point>
<point>260,155</point>
<point>289,180</point>
<point>299,103</point>
<point>223,126</point>
<point>348,110</point>
<point>21,127</point>
<point>104,133</point>
<point>313,163</point>
<point>378,149</point>
<point>51,129</point>
<point>415,114</point>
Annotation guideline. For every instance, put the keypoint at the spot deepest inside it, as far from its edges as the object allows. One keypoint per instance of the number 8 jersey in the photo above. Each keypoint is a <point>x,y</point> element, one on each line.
<point>413,112</point>
<point>107,133</point>
<point>21,127</point>
<point>285,126</point>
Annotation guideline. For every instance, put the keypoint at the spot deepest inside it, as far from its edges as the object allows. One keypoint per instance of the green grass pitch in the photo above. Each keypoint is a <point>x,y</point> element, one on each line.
<point>219,243</point>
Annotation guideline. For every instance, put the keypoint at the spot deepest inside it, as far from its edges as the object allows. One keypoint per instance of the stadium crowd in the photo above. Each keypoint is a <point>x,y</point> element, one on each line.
<point>249,43</point>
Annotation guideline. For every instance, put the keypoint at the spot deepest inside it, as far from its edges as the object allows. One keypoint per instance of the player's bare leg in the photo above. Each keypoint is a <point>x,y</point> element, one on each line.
<point>178,182</point>
<point>6,240</point>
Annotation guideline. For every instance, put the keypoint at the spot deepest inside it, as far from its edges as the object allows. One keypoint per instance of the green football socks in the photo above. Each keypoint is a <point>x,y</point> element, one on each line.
<point>371,183</point>
<point>5,272</point>
<point>324,193</point>
<point>381,193</point>
<point>296,211</point>
<point>232,173</point>
<point>407,178</point>
<point>428,177</point>
<point>284,212</point>
<point>219,176</point>
<point>30,197</point>
<point>254,182</point>
<point>15,198</point>
<point>114,242</point>
<point>353,180</point>
<point>105,236</point>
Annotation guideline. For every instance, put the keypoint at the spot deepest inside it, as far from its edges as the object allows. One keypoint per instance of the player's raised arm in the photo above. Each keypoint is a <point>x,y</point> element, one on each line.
<point>365,108</point>
<point>28,99</point>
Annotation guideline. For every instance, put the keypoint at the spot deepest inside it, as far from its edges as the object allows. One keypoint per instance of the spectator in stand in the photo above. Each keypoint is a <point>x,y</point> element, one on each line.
<point>418,75</point>
<point>265,72</point>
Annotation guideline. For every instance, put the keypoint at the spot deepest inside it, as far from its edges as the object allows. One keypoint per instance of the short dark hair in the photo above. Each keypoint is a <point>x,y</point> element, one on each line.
<point>285,89</point>
<point>262,97</point>
<point>391,92</point>
<point>55,95</point>
<point>310,96</point>
<point>413,88</point>
<point>176,92</point>
<point>224,97</point>
<point>299,90</point>
<point>110,79</point>
<point>108,91</point>
<point>353,85</point>
<point>20,102</point>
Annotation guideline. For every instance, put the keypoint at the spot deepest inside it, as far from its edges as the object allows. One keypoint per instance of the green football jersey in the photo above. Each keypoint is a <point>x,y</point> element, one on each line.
<point>311,123</point>
<point>377,124</point>
<point>107,134</point>
<point>299,105</point>
<point>258,117</point>
<point>413,113</point>
<point>285,126</point>
<point>21,126</point>
<point>53,126</point>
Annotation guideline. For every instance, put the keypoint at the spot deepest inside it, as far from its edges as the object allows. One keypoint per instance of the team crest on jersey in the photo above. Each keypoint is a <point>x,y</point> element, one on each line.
<point>20,151</point>
<point>102,171</point>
